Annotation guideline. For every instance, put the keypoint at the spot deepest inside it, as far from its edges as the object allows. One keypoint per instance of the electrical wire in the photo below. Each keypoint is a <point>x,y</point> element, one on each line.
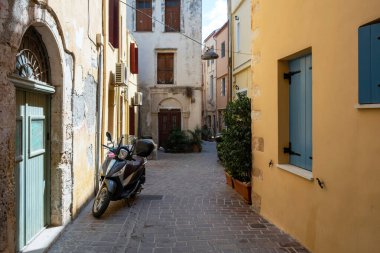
<point>172,29</point>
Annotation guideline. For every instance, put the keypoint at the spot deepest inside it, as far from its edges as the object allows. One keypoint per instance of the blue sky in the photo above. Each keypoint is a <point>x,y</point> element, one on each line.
<point>214,15</point>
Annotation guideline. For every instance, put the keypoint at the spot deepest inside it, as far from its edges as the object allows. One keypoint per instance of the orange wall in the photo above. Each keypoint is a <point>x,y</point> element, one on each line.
<point>345,215</point>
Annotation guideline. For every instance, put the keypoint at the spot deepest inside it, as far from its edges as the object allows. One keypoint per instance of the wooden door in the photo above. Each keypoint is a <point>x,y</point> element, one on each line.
<point>32,187</point>
<point>167,121</point>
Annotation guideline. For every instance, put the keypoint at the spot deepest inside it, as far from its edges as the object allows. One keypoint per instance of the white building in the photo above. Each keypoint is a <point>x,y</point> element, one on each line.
<point>169,64</point>
<point>209,86</point>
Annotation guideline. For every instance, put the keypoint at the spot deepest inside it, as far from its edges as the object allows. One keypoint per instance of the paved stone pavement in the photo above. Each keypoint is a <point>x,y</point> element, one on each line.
<point>185,207</point>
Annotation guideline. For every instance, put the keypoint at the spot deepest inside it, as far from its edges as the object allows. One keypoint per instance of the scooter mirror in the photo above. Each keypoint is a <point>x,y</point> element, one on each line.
<point>109,137</point>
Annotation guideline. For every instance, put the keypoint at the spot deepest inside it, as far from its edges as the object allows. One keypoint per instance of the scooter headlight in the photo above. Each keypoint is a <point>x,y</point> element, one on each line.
<point>123,154</point>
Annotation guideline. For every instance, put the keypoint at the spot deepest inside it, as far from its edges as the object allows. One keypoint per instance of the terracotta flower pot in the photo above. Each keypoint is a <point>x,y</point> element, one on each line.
<point>244,189</point>
<point>229,180</point>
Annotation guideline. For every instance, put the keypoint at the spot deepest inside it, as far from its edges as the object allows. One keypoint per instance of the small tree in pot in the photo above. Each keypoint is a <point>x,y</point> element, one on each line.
<point>235,148</point>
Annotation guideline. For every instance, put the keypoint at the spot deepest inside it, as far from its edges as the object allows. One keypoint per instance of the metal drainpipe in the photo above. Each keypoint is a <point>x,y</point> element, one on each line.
<point>229,50</point>
<point>99,117</point>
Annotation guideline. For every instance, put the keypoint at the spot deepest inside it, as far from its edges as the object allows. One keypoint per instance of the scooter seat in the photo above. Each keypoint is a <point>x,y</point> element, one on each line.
<point>136,163</point>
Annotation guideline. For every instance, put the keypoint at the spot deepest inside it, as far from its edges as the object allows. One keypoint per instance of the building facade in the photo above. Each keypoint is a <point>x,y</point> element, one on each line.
<point>57,62</point>
<point>222,75</point>
<point>240,25</point>
<point>315,121</point>
<point>170,65</point>
<point>209,86</point>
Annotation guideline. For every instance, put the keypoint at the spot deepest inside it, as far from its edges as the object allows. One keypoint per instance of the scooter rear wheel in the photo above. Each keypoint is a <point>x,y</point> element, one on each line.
<point>101,202</point>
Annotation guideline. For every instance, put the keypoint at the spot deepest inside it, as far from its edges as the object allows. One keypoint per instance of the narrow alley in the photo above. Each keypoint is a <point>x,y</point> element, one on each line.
<point>185,207</point>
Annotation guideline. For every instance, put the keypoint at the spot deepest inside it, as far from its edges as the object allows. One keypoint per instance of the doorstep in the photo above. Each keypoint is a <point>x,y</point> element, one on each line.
<point>43,240</point>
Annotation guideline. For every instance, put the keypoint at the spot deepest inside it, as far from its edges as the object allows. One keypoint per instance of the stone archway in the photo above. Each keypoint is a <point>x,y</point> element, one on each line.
<point>12,27</point>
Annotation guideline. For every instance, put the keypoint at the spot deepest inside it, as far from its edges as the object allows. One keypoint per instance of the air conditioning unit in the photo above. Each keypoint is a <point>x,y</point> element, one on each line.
<point>121,75</point>
<point>137,99</point>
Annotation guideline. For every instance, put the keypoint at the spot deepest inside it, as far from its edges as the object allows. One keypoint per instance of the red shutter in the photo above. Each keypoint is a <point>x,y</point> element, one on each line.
<point>113,23</point>
<point>132,120</point>
<point>136,60</point>
<point>132,58</point>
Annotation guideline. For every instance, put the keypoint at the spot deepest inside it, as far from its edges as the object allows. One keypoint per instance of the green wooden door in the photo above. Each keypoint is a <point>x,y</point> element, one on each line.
<point>31,164</point>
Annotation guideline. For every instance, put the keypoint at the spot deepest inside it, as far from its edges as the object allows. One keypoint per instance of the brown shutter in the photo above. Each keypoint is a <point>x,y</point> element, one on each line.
<point>113,23</point>
<point>173,16</point>
<point>143,20</point>
<point>165,67</point>
<point>132,130</point>
<point>136,60</point>
<point>133,58</point>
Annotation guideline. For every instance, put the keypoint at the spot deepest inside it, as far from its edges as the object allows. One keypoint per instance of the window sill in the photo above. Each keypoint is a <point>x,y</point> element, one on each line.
<point>308,175</point>
<point>367,106</point>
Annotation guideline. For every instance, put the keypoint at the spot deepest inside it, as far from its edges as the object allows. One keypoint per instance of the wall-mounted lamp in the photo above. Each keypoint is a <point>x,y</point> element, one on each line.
<point>236,17</point>
<point>237,87</point>
<point>209,55</point>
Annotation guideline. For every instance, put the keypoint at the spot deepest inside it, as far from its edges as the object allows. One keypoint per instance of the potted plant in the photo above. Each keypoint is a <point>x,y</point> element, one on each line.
<point>196,139</point>
<point>235,149</point>
<point>178,142</point>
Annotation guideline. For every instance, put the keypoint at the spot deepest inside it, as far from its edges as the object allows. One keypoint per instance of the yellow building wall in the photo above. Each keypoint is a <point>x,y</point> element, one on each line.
<point>80,24</point>
<point>345,215</point>
<point>115,101</point>
<point>241,58</point>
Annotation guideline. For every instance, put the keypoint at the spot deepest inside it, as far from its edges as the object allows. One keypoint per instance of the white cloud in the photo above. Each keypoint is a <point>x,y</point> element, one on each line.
<point>214,18</point>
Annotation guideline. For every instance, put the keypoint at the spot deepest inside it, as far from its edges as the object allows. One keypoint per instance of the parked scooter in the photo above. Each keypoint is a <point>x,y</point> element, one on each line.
<point>122,174</point>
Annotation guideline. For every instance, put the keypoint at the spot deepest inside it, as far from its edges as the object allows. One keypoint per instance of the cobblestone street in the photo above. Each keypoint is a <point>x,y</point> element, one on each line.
<point>185,207</point>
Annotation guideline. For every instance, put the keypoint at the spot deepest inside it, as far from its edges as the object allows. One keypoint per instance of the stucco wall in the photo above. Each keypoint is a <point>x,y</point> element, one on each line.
<point>241,56</point>
<point>187,64</point>
<point>67,33</point>
<point>210,65</point>
<point>344,216</point>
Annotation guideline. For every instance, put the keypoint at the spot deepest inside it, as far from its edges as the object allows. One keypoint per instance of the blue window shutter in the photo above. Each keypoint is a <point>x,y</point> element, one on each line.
<point>308,111</point>
<point>375,63</point>
<point>365,65</point>
<point>297,113</point>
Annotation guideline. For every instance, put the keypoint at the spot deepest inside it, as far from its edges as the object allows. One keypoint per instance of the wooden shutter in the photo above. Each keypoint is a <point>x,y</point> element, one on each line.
<point>300,112</point>
<point>134,58</point>
<point>369,62</point>
<point>172,16</point>
<point>365,65</point>
<point>132,130</point>
<point>165,67</point>
<point>113,23</point>
<point>375,62</point>
<point>143,19</point>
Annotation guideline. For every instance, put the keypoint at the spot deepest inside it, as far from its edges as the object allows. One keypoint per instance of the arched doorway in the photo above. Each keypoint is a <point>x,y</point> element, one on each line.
<point>32,78</point>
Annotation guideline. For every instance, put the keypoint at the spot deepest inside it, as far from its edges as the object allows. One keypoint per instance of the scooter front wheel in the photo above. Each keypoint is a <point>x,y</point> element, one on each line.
<point>101,202</point>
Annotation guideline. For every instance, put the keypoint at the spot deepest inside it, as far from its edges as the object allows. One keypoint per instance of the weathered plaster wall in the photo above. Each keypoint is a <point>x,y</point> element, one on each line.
<point>344,216</point>
<point>187,59</point>
<point>73,61</point>
<point>81,21</point>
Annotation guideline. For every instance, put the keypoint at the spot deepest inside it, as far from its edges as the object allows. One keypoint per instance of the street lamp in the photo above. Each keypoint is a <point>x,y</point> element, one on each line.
<point>209,55</point>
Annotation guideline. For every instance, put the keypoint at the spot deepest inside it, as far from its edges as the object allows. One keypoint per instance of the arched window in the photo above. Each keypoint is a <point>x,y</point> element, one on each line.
<point>32,60</point>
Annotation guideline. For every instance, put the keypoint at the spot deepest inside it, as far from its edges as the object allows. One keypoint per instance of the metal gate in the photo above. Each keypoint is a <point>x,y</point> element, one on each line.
<point>32,156</point>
